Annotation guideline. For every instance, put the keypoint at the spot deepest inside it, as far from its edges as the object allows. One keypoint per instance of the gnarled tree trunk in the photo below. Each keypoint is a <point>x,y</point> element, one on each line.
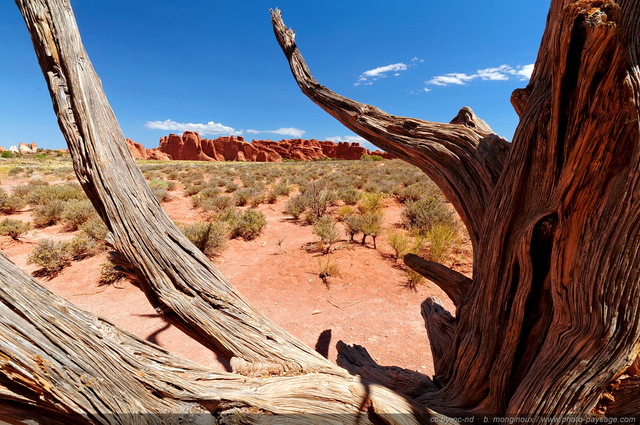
<point>550,318</point>
<point>551,315</point>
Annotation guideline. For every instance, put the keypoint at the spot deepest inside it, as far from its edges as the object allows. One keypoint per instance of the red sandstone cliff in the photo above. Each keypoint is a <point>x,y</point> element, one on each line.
<point>191,147</point>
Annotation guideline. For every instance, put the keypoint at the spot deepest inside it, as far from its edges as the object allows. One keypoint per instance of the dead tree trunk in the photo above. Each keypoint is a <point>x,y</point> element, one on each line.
<point>549,319</point>
<point>552,313</point>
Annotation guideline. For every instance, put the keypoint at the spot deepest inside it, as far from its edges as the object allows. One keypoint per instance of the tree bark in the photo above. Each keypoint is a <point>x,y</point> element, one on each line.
<point>551,315</point>
<point>59,361</point>
<point>548,321</point>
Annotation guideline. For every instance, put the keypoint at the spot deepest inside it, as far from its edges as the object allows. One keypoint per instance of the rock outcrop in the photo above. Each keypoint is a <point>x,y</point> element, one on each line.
<point>191,147</point>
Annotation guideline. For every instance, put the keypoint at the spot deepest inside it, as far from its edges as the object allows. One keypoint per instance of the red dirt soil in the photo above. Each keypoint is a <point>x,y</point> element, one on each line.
<point>367,304</point>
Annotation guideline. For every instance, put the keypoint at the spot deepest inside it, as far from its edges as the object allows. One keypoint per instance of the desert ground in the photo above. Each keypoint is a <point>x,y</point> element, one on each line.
<point>368,297</point>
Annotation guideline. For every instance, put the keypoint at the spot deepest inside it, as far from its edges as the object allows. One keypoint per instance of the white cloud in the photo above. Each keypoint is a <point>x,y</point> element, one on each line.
<point>499,73</point>
<point>208,128</point>
<point>285,131</point>
<point>370,76</point>
<point>526,71</point>
<point>348,139</point>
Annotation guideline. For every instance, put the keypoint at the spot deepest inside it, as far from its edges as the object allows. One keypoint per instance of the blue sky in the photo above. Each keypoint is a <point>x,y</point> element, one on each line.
<point>215,66</point>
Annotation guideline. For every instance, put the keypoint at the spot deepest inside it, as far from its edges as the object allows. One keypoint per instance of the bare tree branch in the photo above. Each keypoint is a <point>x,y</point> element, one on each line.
<point>58,361</point>
<point>177,278</point>
<point>454,284</point>
<point>464,158</point>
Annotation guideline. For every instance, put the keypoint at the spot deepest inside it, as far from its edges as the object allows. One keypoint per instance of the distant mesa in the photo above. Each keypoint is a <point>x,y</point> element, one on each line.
<point>190,147</point>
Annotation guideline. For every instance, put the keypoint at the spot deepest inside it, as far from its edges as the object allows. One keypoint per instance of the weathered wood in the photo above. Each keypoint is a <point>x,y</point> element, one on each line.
<point>553,312</point>
<point>454,284</point>
<point>441,327</point>
<point>180,282</point>
<point>61,363</point>
<point>625,399</point>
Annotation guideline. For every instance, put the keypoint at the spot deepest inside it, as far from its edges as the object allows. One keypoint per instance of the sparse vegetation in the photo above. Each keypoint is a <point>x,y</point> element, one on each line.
<point>326,229</point>
<point>208,237</point>
<point>50,256</point>
<point>249,225</point>
<point>13,228</point>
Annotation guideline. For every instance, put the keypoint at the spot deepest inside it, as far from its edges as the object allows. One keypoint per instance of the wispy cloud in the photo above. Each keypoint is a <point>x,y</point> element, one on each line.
<point>208,128</point>
<point>285,131</point>
<point>499,73</point>
<point>370,76</point>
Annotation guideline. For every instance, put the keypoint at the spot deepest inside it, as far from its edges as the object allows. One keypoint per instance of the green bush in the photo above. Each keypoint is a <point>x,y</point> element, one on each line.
<point>325,228</point>
<point>242,196</point>
<point>210,238</point>
<point>10,204</point>
<point>50,256</point>
<point>318,198</point>
<point>371,225</point>
<point>76,213</point>
<point>13,228</point>
<point>350,196</point>
<point>81,247</point>
<point>371,202</point>
<point>48,214</point>
<point>443,238</point>
<point>6,154</point>
<point>422,215</point>
<point>353,225</point>
<point>249,225</point>
<point>214,203</point>
<point>95,229</point>
<point>399,241</point>
<point>296,206</point>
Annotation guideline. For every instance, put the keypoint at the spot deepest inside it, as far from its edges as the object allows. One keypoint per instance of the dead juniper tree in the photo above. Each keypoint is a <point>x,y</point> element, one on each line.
<point>549,319</point>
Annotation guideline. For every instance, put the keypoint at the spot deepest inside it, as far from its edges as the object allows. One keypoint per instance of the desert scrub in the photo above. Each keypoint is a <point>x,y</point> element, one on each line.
<point>326,229</point>
<point>443,237</point>
<point>399,242</point>
<point>420,216</point>
<point>50,256</point>
<point>95,229</point>
<point>13,228</point>
<point>415,192</point>
<point>242,196</point>
<point>81,247</point>
<point>215,203</point>
<point>10,204</point>
<point>40,193</point>
<point>48,214</point>
<point>296,206</point>
<point>318,198</point>
<point>350,196</point>
<point>353,225</point>
<point>76,213</point>
<point>210,237</point>
<point>371,225</point>
<point>249,225</point>
<point>327,269</point>
<point>109,274</point>
<point>282,189</point>
<point>160,189</point>
<point>371,202</point>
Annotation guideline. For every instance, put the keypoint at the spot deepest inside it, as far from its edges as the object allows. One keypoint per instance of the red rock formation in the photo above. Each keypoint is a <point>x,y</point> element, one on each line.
<point>137,150</point>
<point>191,147</point>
